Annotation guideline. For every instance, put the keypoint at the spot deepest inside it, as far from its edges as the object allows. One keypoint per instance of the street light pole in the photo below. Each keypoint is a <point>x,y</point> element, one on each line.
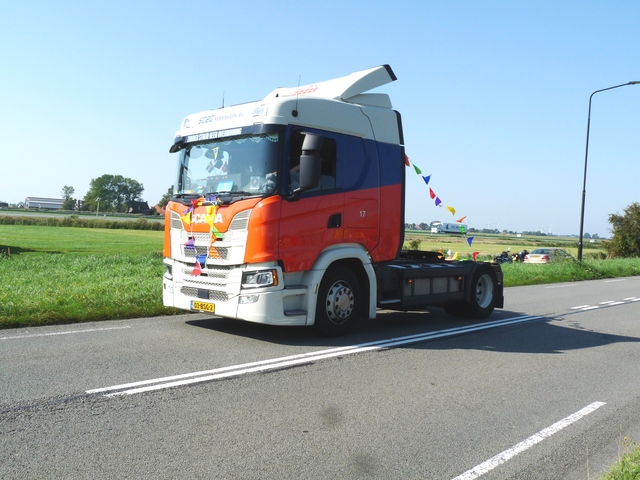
<point>586,154</point>
<point>98,207</point>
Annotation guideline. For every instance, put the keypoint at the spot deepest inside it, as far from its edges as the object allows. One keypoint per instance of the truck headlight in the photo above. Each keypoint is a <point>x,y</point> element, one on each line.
<point>260,278</point>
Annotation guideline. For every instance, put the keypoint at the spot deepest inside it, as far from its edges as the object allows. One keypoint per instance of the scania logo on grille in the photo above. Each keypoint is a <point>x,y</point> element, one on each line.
<point>202,218</point>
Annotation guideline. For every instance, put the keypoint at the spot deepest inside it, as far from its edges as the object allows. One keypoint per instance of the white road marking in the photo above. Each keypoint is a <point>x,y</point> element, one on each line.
<point>528,443</point>
<point>615,280</point>
<point>294,360</point>
<point>88,330</point>
<point>564,285</point>
<point>607,303</point>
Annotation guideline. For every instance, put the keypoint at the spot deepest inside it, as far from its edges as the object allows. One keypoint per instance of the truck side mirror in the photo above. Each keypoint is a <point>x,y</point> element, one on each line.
<point>310,163</point>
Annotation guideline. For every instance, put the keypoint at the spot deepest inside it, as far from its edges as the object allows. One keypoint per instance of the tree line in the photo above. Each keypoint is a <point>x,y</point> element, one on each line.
<point>109,193</point>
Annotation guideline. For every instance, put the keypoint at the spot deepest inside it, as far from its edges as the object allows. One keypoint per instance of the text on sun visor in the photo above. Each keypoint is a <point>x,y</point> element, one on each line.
<point>210,135</point>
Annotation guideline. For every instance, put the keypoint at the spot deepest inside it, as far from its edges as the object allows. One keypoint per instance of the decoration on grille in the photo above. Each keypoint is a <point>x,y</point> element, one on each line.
<point>211,206</point>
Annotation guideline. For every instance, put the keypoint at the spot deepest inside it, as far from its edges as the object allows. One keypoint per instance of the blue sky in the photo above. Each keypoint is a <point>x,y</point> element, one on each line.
<point>493,94</point>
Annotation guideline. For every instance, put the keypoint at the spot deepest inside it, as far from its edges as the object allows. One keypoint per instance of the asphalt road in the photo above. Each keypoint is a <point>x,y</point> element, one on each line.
<point>545,389</point>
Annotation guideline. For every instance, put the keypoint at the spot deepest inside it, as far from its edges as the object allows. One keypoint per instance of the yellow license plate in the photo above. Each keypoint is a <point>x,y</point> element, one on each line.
<point>203,306</point>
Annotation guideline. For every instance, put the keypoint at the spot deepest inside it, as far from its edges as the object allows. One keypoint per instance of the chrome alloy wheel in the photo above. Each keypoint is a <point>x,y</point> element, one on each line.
<point>340,302</point>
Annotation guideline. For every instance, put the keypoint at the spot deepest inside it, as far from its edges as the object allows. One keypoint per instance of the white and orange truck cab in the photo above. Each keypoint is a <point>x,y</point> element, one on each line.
<point>290,211</point>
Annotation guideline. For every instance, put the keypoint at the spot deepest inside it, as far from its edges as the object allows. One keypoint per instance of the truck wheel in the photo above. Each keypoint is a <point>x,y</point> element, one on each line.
<point>484,285</point>
<point>338,305</point>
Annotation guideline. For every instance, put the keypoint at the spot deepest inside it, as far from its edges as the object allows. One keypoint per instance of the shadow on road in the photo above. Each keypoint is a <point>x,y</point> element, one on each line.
<point>548,335</point>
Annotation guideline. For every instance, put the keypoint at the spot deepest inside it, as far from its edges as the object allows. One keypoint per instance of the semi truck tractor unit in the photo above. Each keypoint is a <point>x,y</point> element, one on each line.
<point>290,211</point>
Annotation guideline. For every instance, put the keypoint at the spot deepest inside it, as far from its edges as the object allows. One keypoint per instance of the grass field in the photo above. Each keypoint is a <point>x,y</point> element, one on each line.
<point>63,275</point>
<point>51,275</point>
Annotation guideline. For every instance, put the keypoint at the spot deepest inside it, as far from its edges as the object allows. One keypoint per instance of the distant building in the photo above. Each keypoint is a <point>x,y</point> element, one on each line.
<point>42,203</point>
<point>139,207</point>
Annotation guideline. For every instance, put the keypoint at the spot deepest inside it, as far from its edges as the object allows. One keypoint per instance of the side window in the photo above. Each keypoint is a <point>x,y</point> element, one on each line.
<point>328,168</point>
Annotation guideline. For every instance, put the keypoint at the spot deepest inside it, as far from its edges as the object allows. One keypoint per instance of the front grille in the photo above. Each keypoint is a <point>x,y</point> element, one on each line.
<point>216,253</point>
<point>217,273</point>
<point>192,252</point>
<point>214,295</point>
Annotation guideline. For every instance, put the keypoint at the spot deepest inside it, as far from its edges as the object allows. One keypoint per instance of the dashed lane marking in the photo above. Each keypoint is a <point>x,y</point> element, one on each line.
<point>606,303</point>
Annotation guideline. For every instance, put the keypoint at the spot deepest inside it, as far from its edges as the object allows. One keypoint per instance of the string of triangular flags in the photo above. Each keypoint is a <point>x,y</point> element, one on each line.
<point>211,203</point>
<point>438,202</point>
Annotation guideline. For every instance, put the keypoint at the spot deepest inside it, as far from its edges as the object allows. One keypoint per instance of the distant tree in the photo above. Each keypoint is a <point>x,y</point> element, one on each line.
<point>587,235</point>
<point>67,195</point>
<point>626,233</point>
<point>424,226</point>
<point>114,193</point>
<point>166,197</point>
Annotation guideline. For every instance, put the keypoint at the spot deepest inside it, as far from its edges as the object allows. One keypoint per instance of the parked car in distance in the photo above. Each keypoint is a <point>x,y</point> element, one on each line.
<point>546,255</point>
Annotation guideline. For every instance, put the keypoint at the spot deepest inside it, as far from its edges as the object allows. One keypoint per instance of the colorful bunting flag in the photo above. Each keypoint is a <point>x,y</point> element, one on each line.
<point>475,255</point>
<point>186,218</point>
<point>197,269</point>
<point>432,194</point>
<point>190,244</point>
<point>202,259</point>
<point>213,251</point>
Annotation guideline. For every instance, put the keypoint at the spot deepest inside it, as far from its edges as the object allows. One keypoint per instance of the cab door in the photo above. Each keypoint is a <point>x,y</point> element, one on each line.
<point>312,220</point>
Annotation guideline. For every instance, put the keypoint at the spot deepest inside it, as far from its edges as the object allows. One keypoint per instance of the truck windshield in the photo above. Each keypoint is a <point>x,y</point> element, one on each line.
<point>245,164</point>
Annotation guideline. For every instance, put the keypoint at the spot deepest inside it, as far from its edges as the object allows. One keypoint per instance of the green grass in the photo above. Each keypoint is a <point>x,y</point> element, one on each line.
<point>49,288</point>
<point>44,239</point>
<point>520,274</point>
<point>64,275</point>
<point>628,466</point>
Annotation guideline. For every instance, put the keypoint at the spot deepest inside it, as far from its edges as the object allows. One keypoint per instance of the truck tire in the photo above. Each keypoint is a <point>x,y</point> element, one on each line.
<point>339,299</point>
<point>484,287</point>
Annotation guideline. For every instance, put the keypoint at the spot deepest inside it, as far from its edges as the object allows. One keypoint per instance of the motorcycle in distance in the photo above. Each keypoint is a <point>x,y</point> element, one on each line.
<point>519,257</point>
<point>504,257</point>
